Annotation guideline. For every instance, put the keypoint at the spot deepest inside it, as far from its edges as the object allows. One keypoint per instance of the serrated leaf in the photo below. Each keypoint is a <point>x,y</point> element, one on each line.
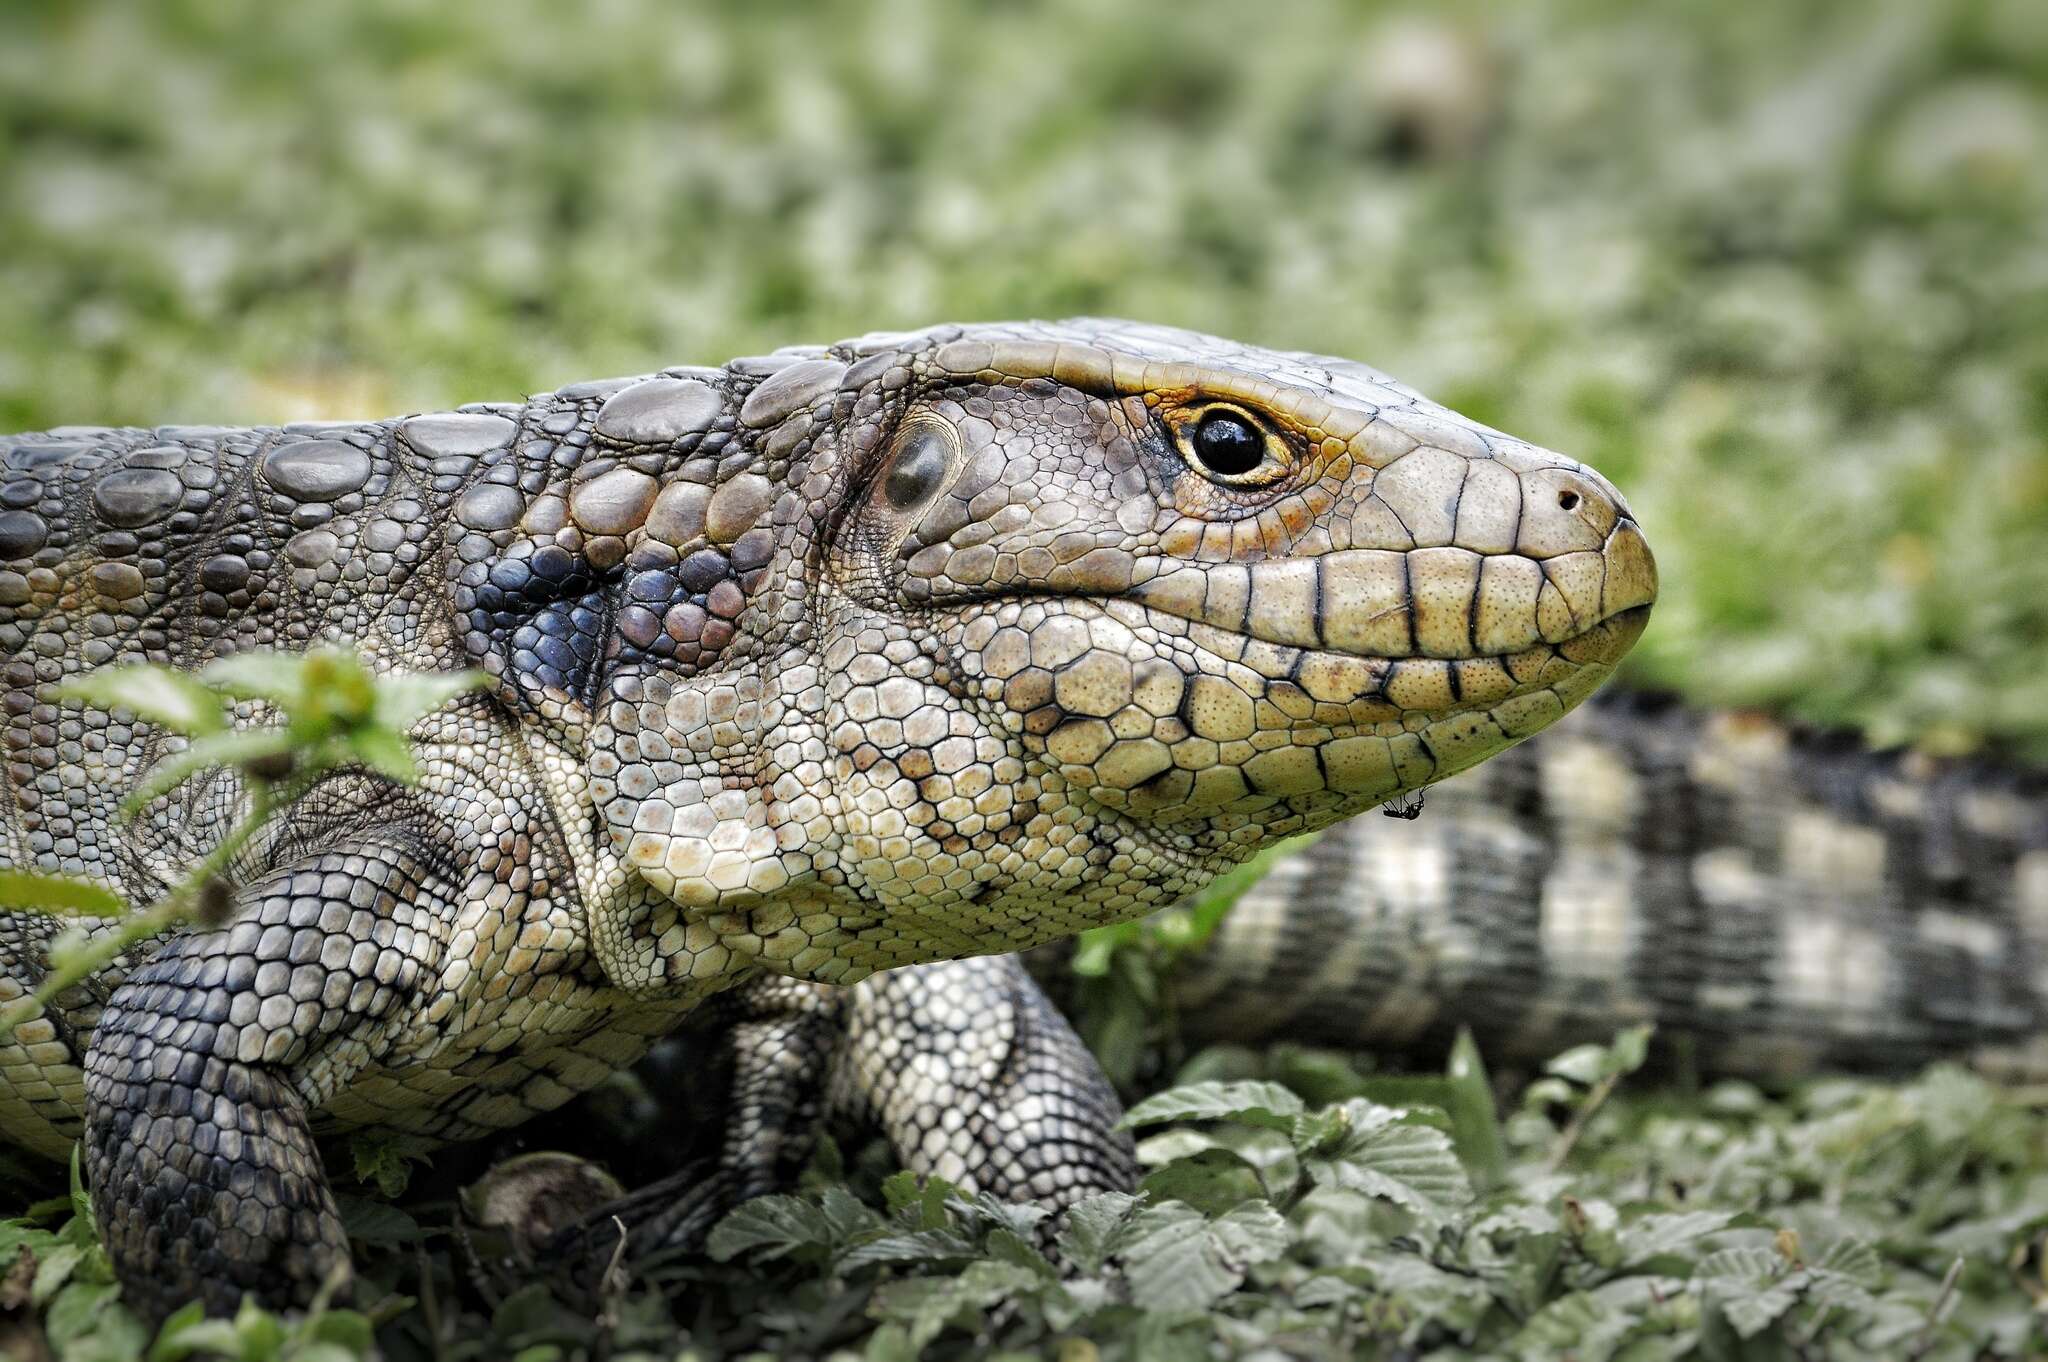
<point>1253,1101</point>
<point>1315,1132</point>
<point>1021,1218</point>
<point>1252,1233</point>
<point>1653,1236</point>
<point>1091,1227</point>
<point>924,1305</point>
<point>1412,1166</point>
<point>769,1227</point>
<point>1171,1261</point>
<point>1574,1326</point>
<point>900,1190</point>
<point>1744,1263</point>
<point>1177,1261</point>
<point>846,1215</point>
<point>1212,1182</point>
<point>164,696</point>
<point>1749,1313</point>
<point>916,1246</point>
<point>1854,1260</point>
<point>61,895</point>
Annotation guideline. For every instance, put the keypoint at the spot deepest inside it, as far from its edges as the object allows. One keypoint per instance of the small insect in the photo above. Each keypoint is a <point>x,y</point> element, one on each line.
<point>1404,806</point>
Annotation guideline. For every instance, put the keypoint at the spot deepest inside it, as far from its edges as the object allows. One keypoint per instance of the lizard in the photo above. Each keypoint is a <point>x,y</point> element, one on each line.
<point>1780,900</point>
<point>919,647</point>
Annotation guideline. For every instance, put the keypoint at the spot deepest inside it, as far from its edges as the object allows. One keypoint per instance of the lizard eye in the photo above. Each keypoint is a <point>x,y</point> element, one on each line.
<point>1229,447</point>
<point>925,456</point>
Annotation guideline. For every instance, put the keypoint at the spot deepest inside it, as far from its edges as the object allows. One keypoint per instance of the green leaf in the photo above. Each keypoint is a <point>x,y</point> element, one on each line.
<point>384,751</point>
<point>1253,1101</point>
<point>376,1222</point>
<point>770,1227</point>
<point>404,698</point>
<point>1089,1234</point>
<point>164,696</point>
<point>1854,1260</point>
<point>80,1198</point>
<point>901,1190</point>
<point>34,892</point>
<point>916,1246</point>
<point>1750,1286</point>
<point>260,1334</point>
<point>1588,1064</point>
<point>1172,1262</point>
<point>187,1331</point>
<point>1749,1313</point>
<point>925,1305</point>
<point>260,674</point>
<point>1655,1236</point>
<point>1475,1120</point>
<point>381,1162</point>
<point>348,1330</point>
<point>1413,1166</point>
<point>236,748</point>
<point>77,1308</point>
<point>1252,1233</point>
<point>54,1267</point>
<point>1177,1261</point>
<point>1575,1327</point>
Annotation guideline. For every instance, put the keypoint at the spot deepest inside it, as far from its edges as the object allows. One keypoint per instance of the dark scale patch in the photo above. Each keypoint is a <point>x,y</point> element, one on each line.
<point>535,615</point>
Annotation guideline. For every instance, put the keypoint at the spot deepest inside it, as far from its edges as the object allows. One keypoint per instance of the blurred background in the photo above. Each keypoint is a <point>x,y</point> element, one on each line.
<point>1780,270</point>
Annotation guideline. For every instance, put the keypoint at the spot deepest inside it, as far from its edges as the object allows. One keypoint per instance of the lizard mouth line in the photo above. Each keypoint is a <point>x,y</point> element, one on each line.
<point>1449,604</point>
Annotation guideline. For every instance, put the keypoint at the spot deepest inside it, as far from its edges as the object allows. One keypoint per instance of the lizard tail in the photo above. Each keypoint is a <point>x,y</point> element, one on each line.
<point>1778,902</point>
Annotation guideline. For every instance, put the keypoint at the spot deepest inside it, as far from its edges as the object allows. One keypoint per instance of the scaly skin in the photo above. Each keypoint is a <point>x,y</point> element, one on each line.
<point>917,648</point>
<point>1779,902</point>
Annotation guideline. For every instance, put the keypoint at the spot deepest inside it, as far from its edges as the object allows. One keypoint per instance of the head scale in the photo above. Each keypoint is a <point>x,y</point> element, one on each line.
<point>959,641</point>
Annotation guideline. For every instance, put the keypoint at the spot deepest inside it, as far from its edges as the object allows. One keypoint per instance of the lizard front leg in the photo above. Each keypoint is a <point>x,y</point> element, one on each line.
<point>208,1061</point>
<point>975,1077</point>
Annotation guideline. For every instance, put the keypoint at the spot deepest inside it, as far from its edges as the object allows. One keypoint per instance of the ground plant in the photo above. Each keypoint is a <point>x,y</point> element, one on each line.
<point>1778,269</point>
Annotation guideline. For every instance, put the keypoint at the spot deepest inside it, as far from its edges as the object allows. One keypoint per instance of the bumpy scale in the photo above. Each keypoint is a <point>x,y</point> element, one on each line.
<point>915,648</point>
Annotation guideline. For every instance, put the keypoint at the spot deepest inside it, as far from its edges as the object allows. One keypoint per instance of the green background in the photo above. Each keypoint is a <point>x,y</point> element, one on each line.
<point>1779,269</point>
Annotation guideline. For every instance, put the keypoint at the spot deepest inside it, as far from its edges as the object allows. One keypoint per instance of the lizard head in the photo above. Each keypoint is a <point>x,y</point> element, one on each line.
<point>1049,624</point>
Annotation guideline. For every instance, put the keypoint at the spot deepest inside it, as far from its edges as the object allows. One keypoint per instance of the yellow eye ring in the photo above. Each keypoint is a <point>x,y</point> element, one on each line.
<point>1229,446</point>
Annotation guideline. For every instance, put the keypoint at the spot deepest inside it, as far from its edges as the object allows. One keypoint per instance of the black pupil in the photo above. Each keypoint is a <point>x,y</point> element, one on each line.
<point>1227,444</point>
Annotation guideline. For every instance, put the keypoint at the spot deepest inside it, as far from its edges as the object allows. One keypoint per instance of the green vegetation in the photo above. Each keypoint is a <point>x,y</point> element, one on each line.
<point>1292,1208</point>
<point>1775,268</point>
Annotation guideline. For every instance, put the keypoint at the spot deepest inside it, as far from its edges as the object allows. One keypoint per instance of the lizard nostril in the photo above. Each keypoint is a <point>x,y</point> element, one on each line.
<point>1568,499</point>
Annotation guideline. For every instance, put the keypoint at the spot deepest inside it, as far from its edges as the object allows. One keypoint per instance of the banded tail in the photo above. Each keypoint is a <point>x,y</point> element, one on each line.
<point>1781,902</point>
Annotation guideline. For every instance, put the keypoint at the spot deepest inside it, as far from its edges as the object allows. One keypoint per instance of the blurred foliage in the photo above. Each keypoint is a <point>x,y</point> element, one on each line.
<point>1778,269</point>
<point>332,712</point>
